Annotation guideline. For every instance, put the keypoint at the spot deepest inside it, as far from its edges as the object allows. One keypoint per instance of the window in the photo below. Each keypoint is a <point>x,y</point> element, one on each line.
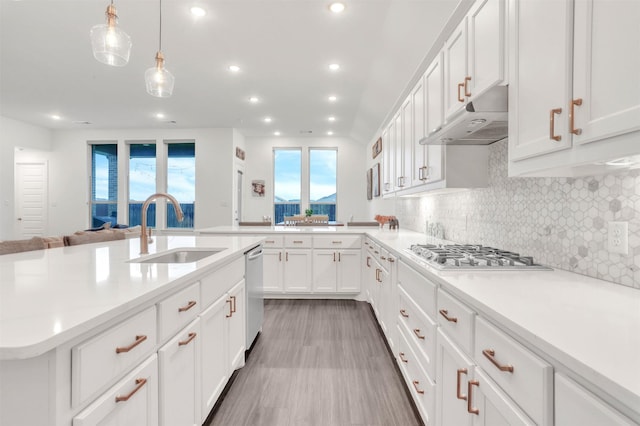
<point>323,181</point>
<point>287,183</point>
<point>181,182</point>
<point>104,184</point>
<point>142,182</point>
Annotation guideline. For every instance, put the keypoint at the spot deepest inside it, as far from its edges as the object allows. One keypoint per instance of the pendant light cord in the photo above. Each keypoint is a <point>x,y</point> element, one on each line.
<point>160,37</point>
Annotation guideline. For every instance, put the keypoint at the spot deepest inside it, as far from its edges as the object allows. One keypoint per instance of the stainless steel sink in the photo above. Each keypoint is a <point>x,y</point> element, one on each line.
<point>179,255</point>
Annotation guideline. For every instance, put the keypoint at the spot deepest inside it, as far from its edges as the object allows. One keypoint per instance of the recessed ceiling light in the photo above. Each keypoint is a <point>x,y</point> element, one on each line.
<point>198,11</point>
<point>55,117</point>
<point>254,99</point>
<point>159,115</point>
<point>334,67</point>
<point>276,133</point>
<point>333,98</point>
<point>234,68</point>
<point>336,7</point>
<point>268,120</point>
<point>332,118</point>
<point>330,133</point>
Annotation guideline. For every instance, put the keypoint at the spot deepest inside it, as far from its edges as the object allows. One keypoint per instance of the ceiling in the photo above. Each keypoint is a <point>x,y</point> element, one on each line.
<point>283,48</point>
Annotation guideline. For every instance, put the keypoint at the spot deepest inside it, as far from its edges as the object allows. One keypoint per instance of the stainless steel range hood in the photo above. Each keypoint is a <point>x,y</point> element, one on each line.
<point>482,122</point>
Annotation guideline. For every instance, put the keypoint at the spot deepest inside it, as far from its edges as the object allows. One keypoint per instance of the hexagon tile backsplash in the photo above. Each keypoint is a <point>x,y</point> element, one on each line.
<point>561,222</point>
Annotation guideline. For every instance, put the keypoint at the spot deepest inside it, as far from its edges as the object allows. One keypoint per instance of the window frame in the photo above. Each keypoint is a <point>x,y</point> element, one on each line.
<point>91,187</point>
<point>273,164</point>
<point>309,202</point>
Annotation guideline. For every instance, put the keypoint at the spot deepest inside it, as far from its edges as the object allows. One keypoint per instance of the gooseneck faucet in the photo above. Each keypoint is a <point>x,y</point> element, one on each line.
<point>144,238</point>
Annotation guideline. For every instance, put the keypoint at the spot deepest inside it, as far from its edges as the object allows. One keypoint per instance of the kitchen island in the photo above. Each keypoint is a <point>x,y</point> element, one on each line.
<point>74,320</point>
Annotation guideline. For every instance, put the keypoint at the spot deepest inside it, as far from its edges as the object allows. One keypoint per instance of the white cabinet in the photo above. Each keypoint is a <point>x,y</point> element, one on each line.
<point>558,114</point>
<point>272,268</point>
<point>456,78</point>
<point>336,264</point>
<point>574,405</point>
<point>297,270</point>
<point>179,367</point>
<point>404,145</point>
<point>287,264</point>
<point>236,331</point>
<point>132,401</point>
<point>388,158</point>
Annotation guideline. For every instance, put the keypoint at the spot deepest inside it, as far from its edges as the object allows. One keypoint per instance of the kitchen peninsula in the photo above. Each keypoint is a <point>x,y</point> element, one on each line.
<point>82,326</point>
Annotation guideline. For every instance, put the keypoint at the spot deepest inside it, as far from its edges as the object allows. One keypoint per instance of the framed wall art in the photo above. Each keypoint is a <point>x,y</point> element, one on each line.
<point>377,148</point>
<point>369,184</point>
<point>257,188</point>
<point>376,180</point>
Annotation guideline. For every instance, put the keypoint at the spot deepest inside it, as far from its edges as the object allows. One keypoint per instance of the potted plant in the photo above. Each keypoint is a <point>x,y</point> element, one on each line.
<point>308,213</point>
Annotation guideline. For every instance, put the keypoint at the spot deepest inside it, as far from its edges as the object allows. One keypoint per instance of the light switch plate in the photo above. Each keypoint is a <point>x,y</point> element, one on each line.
<point>618,237</point>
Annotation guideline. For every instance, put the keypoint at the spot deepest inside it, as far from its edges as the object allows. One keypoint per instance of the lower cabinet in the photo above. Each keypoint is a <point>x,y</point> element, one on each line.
<point>272,270</point>
<point>132,401</point>
<point>179,366</point>
<point>336,271</point>
<point>297,270</point>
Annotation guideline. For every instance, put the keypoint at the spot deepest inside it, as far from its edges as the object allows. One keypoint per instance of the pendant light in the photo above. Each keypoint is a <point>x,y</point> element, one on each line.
<point>110,44</point>
<point>158,79</point>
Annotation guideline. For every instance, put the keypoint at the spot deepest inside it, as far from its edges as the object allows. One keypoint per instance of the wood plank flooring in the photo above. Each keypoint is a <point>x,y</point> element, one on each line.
<point>317,362</point>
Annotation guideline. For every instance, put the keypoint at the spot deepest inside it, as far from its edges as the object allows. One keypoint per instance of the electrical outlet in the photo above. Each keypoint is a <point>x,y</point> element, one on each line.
<point>618,238</point>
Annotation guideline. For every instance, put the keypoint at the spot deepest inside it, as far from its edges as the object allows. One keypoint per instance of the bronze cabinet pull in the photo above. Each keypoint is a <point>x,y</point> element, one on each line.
<point>415,385</point>
<point>297,242</point>
<point>416,331</point>
<point>139,339</point>
<point>383,258</point>
<point>336,242</point>
<point>458,373</point>
<point>286,256</point>
<point>189,339</point>
<point>339,258</point>
<point>552,124</point>
<point>233,308</point>
<point>572,126</point>
<point>139,384</point>
<point>470,408</point>
<point>445,314</point>
<point>391,259</point>
<point>230,309</point>
<point>280,257</point>
<point>190,305</point>
<point>467,79</point>
<point>334,256</point>
<point>490,355</point>
<point>460,98</point>
<point>368,264</point>
<point>402,358</point>
<point>404,313</point>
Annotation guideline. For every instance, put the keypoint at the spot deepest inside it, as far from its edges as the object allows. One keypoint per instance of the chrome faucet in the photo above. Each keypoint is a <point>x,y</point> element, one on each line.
<point>144,241</point>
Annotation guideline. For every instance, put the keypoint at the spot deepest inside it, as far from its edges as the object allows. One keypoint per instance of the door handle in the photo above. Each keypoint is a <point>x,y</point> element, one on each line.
<point>552,124</point>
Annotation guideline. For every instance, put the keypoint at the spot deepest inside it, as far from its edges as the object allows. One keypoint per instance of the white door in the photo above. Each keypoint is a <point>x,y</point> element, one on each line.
<point>453,373</point>
<point>349,271</point>
<point>297,271</point>
<point>31,199</point>
<point>272,264</point>
<point>324,271</point>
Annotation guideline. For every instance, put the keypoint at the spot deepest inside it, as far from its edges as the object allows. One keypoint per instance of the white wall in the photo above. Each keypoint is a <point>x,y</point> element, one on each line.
<point>36,142</point>
<point>352,197</point>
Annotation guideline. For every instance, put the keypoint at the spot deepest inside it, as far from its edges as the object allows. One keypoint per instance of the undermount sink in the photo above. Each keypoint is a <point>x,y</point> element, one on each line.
<point>179,255</point>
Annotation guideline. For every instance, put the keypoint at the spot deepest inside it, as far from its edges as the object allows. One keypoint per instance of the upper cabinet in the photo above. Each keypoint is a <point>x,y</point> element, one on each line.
<point>456,78</point>
<point>574,95</point>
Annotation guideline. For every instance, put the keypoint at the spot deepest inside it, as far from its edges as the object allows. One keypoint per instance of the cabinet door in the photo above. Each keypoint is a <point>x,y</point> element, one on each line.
<point>418,115</point>
<point>605,69</point>
<point>453,371</point>
<point>369,277</point>
<point>213,344</point>
<point>399,151</point>
<point>387,161</point>
<point>297,270</point>
<point>455,70</point>
<point>433,84</point>
<point>540,77</point>
<point>131,402</point>
<point>179,366</point>
<point>404,145</point>
<point>324,271</point>
<point>236,324</point>
<point>348,271</point>
<point>494,407</point>
<point>486,45</point>
<point>272,270</point>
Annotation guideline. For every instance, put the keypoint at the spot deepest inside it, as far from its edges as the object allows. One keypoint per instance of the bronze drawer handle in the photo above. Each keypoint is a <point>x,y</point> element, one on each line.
<point>572,126</point>
<point>336,242</point>
<point>490,355</point>
<point>466,86</point>
<point>552,124</point>
<point>139,339</point>
<point>190,305</point>
<point>391,259</point>
<point>415,385</point>
<point>186,342</point>
<point>470,408</point>
<point>404,313</point>
<point>416,331</point>
<point>445,314</point>
<point>234,308</point>
<point>230,308</point>
<point>402,358</point>
<point>458,380</point>
<point>139,384</point>
<point>368,264</point>
<point>269,241</point>
<point>297,242</point>
<point>383,258</point>
<point>460,98</point>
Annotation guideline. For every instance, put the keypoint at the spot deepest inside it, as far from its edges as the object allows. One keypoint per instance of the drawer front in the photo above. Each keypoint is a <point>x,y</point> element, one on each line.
<point>457,320</point>
<point>527,379</point>
<point>273,241</point>
<point>178,310</point>
<point>419,288</point>
<point>422,389</point>
<point>214,285</point>
<point>103,358</point>
<point>298,241</point>
<point>420,329</point>
<point>136,396</point>
<point>338,242</point>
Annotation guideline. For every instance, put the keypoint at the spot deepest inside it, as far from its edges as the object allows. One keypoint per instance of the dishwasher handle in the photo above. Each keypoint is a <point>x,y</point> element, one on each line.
<point>255,253</point>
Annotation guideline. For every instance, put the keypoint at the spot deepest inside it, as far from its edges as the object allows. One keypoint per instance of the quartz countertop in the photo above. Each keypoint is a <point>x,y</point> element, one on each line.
<point>269,229</point>
<point>48,297</point>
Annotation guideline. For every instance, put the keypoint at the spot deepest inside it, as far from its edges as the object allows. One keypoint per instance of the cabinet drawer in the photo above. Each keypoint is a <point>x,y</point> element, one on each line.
<point>214,285</point>
<point>338,242</point>
<point>133,400</point>
<point>419,288</point>
<point>273,241</point>
<point>421,330</point>
<point>527,379</point>
<point>103,358</point>
<point>297,241</point>
<point>456,320</point>
<point>176,311</point>
<point>422,389</point>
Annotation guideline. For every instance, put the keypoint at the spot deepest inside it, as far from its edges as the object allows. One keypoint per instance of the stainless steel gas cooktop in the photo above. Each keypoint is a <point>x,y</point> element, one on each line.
<point>468,256</point>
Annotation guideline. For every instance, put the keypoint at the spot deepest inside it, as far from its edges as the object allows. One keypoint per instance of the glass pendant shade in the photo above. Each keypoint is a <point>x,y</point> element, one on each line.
<point>110,44</point>
<point>159,80</point>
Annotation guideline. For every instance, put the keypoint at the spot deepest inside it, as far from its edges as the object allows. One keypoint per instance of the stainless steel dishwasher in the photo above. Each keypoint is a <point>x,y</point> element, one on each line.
<point>254,292</point>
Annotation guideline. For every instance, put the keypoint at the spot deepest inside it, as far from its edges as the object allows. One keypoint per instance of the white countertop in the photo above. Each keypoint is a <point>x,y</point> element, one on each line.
<point>51,296</point>
<point>269,229</point>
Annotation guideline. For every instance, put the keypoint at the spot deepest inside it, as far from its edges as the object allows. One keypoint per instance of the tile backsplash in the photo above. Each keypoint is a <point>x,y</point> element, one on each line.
<point>561,222</point>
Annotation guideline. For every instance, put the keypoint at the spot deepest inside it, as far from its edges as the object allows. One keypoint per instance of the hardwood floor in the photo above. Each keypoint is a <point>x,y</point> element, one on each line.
<point>317,362</point>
